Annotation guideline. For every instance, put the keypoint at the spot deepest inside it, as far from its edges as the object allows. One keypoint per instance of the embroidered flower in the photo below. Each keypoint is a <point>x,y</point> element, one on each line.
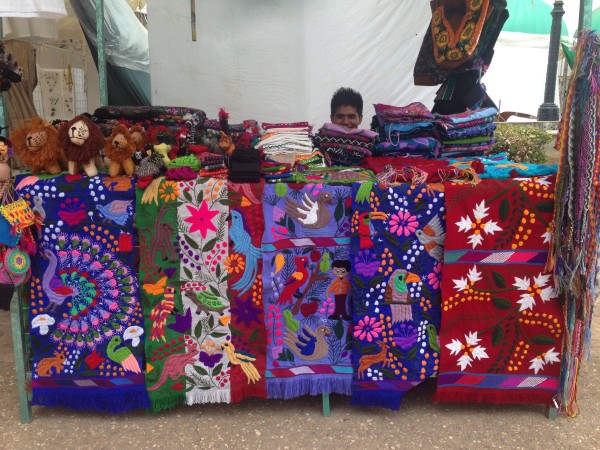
<point>368,328</point>
<point>246,312</point>
<point>455,54</point>
<point>540,361</point>
<point>405,336</point>
<point>539,287</point>
<point>234,263</point>
<point>72,211</point>
<point>467,31</point>
<point>442,39</point>
<point>435,277</point>
<point>469,351</point>
<point>467,225</point>
<point>168,191</point>
<point>464,284</point>
<point>403,223</point>
<point>547,235</point>
<point>201,219</point>
<point>365,263</point>
<point>474,5</point>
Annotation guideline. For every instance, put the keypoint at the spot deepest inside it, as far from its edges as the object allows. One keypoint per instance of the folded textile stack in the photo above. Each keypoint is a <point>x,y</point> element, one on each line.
<point>244,166</point>
<point>286,138</point>
<point>343,146</point>
<point>469,133</point>
<point>405,131</point>
<point>213,165</point>
<point>275,171</point>
<point>313,161</point>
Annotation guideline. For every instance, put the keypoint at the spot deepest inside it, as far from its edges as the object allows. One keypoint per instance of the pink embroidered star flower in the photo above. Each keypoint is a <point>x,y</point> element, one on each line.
<point>201,219</point>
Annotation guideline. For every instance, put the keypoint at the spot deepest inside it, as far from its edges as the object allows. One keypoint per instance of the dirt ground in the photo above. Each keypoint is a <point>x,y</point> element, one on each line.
<point>299,423</point>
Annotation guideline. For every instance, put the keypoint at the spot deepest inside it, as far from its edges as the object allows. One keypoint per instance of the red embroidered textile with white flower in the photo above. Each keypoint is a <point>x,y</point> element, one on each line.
<point>502,325</point>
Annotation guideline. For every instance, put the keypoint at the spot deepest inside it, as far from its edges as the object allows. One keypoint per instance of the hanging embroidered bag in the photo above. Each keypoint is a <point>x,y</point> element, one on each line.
<point>454,47</point>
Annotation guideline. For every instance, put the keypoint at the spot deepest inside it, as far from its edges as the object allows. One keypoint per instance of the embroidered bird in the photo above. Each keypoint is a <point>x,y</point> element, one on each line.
<point>117,211</point>
<point>308,344</point>
<point>295,281</point>
<point>311,213</point>
<point>205,301</point>
<point>159,314</point>
<point>434,340</point>
<point>366,231</point>
<point>243,359</point>
<point>243,244</point>
<point>122,356</point>
<point>38,205</point>
<point>397,295</point>
<point>54,286</point>
<point>432,236</point>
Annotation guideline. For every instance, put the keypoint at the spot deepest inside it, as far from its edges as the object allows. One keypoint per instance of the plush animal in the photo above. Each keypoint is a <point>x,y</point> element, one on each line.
<point>119,148</point>
<point>81,140</point>
<point>36,145</point>
<point>164,150</point>
<point>138,135</point>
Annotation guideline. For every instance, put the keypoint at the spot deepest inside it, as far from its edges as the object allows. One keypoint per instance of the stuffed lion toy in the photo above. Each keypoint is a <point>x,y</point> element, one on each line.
<point>36,145</point>
<point>81,140</point>
<point>119,148</point>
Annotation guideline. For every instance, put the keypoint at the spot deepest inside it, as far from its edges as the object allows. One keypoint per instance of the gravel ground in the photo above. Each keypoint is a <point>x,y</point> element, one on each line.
<point>270,424</point>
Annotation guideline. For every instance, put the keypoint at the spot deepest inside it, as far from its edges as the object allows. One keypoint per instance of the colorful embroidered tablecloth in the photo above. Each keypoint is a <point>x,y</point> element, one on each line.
<point>85,317</point>
<point>502,325</point>
<point>184,245</point>
<point>306,263</point>
<point>397,240</point>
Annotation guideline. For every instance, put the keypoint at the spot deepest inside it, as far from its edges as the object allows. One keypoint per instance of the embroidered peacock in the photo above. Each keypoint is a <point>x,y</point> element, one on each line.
<point>94,291</point>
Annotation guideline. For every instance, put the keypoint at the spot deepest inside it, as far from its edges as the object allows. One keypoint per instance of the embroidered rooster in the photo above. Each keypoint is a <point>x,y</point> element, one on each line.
<point>159,314</point>
<point>311,213</point>
<point>397,295</point>
<point>244,360</point>
<point>432,236</point>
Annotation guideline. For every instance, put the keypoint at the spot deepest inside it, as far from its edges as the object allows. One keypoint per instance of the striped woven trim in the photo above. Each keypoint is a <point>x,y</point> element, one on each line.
<point>316,369</point>
<point>497,381</point>
<point>490,257</point>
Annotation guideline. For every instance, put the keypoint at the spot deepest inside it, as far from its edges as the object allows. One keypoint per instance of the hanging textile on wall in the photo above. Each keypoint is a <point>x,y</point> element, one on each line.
<point>57,94</point>
<point>306,262</point>
<point>85,317</point>
<point>184,247</point>
<point>247,352</point>
<point>397,246</point>
<point>502,325</point>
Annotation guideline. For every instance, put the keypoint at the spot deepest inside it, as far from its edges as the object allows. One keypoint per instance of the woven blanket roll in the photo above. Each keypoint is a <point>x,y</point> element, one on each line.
<point>502,324</point>
<point>305,268</point>
<point>85,316</point>
<point>397,246</point>
<point>247,352</point>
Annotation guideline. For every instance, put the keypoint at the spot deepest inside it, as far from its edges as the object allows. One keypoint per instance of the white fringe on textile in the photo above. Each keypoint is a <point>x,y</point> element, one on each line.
<point>212,396</point>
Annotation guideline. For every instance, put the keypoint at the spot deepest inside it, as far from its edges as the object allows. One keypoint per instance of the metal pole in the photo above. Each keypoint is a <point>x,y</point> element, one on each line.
<point>585,15</point>
<point>549,110</point>
<point>3,111</point>
<point>101,56</point>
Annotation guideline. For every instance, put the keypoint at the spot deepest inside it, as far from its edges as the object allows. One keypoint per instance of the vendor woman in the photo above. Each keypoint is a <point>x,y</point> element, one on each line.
<point>346,108</point>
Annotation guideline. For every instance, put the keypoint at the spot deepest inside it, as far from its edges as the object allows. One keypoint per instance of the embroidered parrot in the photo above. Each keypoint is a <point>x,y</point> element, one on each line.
<point>243,359</point>
<point>308,344</point>
<point>365,228</point>
<point>397,295</point>
<point>432,236</point>
<point>159,314</point>
<point>122,356</point>
<point>311,213</point>
<point>243,244</point>
<point>295,281</point>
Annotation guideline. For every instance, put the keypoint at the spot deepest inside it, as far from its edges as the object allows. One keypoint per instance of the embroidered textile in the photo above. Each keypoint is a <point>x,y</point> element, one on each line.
<point>306,262</point>
<point>502,324</point>
<point>498,166</point>
<point>85,317</point>
<point>397,246</point>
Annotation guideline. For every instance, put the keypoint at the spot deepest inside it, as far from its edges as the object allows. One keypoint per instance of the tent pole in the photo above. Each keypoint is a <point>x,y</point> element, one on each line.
<point>585,15</point>
<point>3,125</point>
<point>101,55</point>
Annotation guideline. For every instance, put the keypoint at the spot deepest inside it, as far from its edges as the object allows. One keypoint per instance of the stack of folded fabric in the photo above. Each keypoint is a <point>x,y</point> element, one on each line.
<point>244,166</point>
<point>274,171</point>
<point>345,147</point>
<point>469,133</point>
<point>285,138</point>
<point>405,131</point>
<point>213,165</point>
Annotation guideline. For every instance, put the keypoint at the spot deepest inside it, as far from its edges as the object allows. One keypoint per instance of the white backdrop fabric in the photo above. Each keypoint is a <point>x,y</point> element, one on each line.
<point>274,60</point>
